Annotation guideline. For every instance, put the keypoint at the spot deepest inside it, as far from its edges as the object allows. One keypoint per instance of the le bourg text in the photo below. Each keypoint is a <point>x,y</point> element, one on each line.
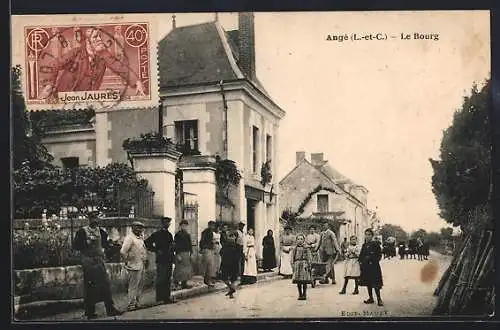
<point>382,36</point>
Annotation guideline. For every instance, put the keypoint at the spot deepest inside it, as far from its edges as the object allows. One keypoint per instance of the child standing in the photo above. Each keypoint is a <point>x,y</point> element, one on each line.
<point>230,263</point>
<point>351,269</point>
<point>371,273</point>
<point>301,265</point>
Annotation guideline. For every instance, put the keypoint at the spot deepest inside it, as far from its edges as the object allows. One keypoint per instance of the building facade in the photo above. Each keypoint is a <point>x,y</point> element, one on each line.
<point>314,189</point>
<point>213,105</point>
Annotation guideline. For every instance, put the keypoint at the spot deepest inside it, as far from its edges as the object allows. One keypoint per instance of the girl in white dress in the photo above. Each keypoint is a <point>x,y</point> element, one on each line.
<point>250,272</point>
<point>352,268</point>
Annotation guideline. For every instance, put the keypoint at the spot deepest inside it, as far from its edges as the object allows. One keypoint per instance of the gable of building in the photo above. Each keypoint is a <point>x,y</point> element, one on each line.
<point>299,183</point>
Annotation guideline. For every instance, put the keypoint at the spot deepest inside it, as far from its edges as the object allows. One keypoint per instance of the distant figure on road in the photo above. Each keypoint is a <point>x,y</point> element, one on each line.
<point>287,241</point>
<point>329,250</point>
<point>135,257</point>
<point>371,273</point>
<point>91,241</point>
<point>161,242</point>
<point>207,250</point>
<point>230,263</point>
<point>402,250</point>
<point>183,271</point>
<point>268,252</point>
<point>351,267</point>
<point>301,264</point>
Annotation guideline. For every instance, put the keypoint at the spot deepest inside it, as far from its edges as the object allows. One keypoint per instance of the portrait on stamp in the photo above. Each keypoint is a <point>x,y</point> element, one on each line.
<point>242,166</point>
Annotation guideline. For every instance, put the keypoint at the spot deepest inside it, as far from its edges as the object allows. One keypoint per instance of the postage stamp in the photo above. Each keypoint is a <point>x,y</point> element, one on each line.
<point>109,63</point>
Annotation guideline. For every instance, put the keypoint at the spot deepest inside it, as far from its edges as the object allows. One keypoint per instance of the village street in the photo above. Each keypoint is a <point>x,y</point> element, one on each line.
<point>404,294</point>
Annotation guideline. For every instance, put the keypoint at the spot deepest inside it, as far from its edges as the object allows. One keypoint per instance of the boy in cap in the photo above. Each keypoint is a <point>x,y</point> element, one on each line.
<point>162,243</point>
<point>134,254</point>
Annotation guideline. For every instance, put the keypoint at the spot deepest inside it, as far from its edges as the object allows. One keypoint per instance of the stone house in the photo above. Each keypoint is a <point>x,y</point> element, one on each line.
<point>315,189</point>
<point>213,105</point>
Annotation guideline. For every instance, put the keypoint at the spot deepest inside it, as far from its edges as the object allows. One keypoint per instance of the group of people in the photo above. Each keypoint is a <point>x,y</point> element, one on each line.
<point>417,248</point>
<point>300,252</point>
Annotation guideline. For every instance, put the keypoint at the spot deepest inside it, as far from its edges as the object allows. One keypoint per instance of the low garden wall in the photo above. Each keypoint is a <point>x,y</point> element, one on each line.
<point>65,283</point>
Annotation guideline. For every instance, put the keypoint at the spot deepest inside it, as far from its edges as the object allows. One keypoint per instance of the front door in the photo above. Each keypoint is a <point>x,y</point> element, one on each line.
<point>251,214</point>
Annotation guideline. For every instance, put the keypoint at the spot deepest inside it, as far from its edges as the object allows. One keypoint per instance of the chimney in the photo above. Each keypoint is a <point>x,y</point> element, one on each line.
<point>246,44</point>
<point>317,159</point>
<point>299,156</point>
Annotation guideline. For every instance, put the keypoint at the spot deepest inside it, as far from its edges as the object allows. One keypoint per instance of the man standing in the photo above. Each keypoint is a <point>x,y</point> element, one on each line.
<point>183,251</point>
<point>134,254</point>
<point>162,243</point>
<point>91,241</point>
<point>240,242</point>
<point>329,249</point>
<point>207,250</point>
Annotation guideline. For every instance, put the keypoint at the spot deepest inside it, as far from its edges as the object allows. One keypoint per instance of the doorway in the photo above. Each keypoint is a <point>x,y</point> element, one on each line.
<point>251,204</point>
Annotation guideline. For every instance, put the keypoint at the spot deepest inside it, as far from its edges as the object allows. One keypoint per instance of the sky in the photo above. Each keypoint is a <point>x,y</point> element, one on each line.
<point>376,109</point>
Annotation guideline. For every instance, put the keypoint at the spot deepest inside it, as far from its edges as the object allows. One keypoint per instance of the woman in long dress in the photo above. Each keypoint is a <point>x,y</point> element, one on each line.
<point>250,273</point>
<point>287,241</point>
<point>268,252</point>
<point>371,273</point>
<point>312,242</point>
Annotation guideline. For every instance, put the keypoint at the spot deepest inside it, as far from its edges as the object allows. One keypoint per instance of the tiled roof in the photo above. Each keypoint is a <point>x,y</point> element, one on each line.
<point>333,174</point>
<point>193,54</point>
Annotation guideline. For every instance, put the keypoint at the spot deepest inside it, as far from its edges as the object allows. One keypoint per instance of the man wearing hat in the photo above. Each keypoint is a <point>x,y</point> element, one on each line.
<point>183,251</point>
<point>134,255</point>
<point>329,249</point>
<point>207,250</point>
<point>162,243</point>
<point>240,242</point>
<point>91,241</point>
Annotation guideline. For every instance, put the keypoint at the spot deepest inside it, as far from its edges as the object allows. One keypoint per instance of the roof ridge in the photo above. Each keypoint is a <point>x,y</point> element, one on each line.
<point>183,28</point>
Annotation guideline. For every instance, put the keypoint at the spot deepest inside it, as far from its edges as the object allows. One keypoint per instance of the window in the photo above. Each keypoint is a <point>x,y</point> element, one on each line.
<point>255,148</point>
<point>186,135</point>
<point>322,203</point>
<point>70,162</point>
<point>269,147</point>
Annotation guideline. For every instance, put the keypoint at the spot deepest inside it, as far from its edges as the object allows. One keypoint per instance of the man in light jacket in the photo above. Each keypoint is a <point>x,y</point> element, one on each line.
<point>134,254</point>
<point>329,249</point>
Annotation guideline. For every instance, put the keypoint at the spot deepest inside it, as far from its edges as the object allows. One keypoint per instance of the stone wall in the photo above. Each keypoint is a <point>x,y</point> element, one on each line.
<point>64,283</point>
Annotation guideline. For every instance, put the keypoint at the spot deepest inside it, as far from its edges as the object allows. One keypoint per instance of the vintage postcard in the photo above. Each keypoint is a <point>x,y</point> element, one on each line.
<point>99,61</point>
<point>270,165</point>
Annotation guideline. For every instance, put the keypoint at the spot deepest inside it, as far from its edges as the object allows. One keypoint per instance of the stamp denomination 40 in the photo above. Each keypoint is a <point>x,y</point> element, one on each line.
<point>99,65</point>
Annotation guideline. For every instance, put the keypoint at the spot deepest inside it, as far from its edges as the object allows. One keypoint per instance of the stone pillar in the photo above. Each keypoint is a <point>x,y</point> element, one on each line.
<point>159,169</point>
<point>198,173</point>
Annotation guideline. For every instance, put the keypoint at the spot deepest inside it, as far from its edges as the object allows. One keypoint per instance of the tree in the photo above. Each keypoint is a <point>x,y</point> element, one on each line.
<point>446,233</point>
<point>227,175</point>
<point>389,230</point>
<point>422,233</point>
<point>461,180</point>
<point>27,146</point>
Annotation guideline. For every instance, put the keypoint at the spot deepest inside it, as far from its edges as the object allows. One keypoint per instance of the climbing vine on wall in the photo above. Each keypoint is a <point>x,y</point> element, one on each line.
<point>310,195</point>
<point>265,173</point>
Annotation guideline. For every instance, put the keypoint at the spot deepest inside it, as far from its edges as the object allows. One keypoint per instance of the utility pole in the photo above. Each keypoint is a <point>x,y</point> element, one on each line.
<point>224,103</point>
